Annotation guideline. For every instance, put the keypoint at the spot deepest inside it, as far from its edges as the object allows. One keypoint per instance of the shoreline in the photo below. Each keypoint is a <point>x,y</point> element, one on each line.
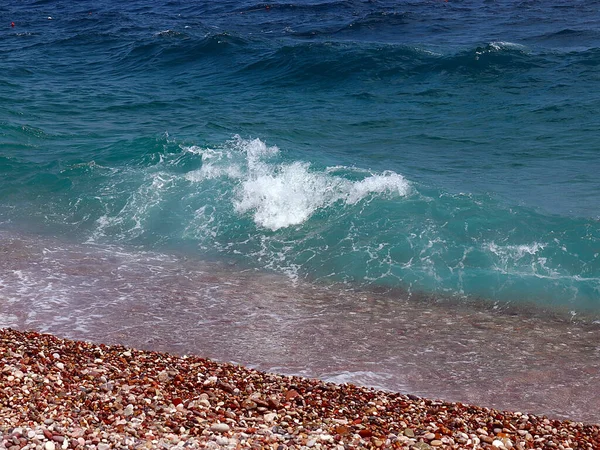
<point>59,393</point>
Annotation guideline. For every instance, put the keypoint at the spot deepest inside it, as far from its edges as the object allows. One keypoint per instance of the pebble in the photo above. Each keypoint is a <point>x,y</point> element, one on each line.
<point>270,417</point>
<point>221,440</point>
<point>128,411</point>
<point>175,409</point>
<point>220,427</point>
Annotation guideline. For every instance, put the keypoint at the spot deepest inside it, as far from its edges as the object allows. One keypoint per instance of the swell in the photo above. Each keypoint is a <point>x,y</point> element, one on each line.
<point>204,50</point>
<point>334,62</point>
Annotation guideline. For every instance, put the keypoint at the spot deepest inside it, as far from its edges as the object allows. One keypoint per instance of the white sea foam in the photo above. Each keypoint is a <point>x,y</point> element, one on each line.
<point>282,194</point>
<point>502,45</point>
<point>517,257</point>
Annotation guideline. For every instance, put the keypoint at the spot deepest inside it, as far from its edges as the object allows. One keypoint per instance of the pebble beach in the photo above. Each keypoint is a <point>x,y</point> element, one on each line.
<point>60,394</point>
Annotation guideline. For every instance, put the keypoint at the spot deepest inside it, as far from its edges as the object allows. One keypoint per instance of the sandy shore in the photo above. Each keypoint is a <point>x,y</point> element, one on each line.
<point>59,393</point>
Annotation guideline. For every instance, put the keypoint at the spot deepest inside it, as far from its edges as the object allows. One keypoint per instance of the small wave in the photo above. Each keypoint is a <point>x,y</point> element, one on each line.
<point>170,34</point>
<point>170,49</point>
<point>335,62</point>
<point>280,195</point>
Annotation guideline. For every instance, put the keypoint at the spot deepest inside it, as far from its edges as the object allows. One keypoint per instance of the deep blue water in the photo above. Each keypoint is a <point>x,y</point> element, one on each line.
<point>447,148</point>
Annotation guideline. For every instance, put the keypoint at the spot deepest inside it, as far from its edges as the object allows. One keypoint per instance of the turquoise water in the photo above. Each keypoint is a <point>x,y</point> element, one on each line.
<point>450,149</point>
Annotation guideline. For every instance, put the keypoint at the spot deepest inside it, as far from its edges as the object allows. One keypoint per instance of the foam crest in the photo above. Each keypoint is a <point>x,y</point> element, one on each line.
<point>287,195</point>
<point>282,194</point>
<point>387,183</point>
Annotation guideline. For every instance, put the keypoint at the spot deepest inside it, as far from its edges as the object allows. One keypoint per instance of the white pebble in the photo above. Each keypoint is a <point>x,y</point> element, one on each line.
<point>128,410</point>
<point>270,417</point>
<point>49,446</point>
<point>498,444</point>
<point>222,440</point>
<point>219,427</point>
<point>326,438</point>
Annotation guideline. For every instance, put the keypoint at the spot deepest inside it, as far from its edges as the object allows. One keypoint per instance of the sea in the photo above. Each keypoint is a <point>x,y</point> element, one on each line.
<point>397,194</point>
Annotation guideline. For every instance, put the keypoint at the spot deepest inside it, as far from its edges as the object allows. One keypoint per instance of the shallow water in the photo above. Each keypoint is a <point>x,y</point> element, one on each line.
<point>520,360</point>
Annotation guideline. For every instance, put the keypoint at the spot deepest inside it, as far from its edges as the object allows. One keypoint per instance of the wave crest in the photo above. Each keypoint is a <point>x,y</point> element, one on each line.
<point>282,194</point>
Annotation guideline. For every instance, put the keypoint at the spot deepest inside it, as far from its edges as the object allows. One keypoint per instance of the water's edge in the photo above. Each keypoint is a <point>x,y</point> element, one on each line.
<point>517,361</point>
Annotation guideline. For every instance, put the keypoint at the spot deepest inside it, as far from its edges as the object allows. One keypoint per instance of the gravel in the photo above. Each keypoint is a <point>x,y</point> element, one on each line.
<point>60,394</point>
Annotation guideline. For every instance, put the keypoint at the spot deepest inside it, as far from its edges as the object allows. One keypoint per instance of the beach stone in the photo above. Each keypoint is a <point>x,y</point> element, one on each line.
<point>436,443</point>
<point>507,443</point>
<point>221,440</point>
<point>49,446</point>
<point>422,446</point>
<point>103,446</point>
<point>128,411</point>
<point>409,432</point>
<point>270,417</point>
<point>326,438</point>
<point>220,427</point>
<point>204,402</point>
<point>486,439</point>
<point>429,436</point>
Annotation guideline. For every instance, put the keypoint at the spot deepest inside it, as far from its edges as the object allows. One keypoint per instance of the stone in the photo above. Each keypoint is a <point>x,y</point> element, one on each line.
<point>128,411</point>
<point>270,417</point>
<point>409,432</point>
<point>49,446</point>
<point>422,446</point>
<point>222,440</point>
<point>219,427</point>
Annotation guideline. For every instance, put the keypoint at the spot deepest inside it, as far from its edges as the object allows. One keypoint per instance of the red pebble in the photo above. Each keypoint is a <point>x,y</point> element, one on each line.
<point>365,433</point>
<point>12,24</point>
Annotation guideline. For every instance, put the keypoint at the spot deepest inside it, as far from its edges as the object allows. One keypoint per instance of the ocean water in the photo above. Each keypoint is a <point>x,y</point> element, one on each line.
<point>344,160</point>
